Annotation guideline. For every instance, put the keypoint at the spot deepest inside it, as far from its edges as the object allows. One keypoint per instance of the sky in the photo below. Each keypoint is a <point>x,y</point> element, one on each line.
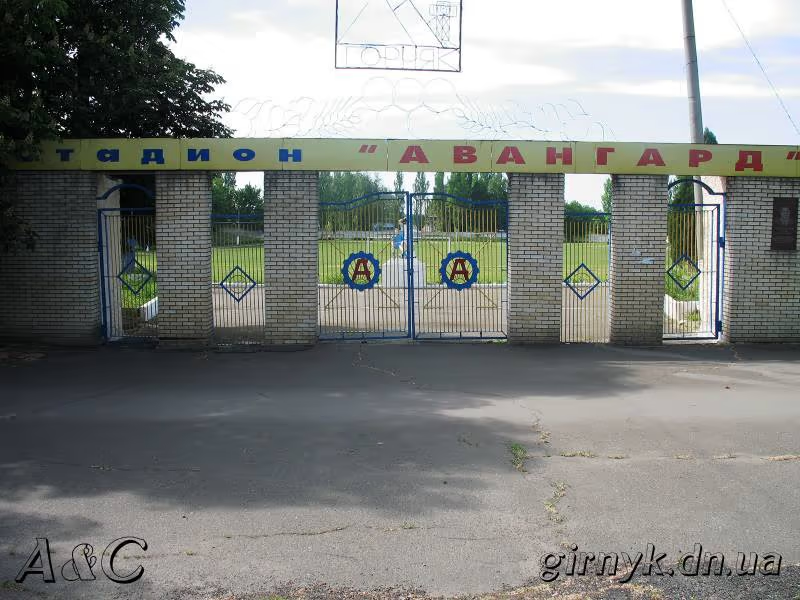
<point>569,70</point>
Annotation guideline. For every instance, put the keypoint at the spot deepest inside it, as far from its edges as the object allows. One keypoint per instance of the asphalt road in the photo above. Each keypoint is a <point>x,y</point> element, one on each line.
<point>389,466</point>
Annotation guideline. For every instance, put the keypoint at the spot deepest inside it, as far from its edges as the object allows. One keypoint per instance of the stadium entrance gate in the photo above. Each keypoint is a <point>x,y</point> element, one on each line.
<point>420,266</point>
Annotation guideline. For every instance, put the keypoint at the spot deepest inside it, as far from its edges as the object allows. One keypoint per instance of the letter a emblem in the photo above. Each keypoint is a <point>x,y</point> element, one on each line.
<point>362,269</point>
<point>459,268</point>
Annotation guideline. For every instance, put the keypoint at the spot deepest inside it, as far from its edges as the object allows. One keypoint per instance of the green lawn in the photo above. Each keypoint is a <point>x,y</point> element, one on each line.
<point>332,253</point>
<point>490,254</point>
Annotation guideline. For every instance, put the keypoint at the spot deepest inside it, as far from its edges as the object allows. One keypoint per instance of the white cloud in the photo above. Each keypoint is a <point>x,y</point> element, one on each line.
<point>538,54</point>
<point>731,86</point>
<point>655,25</point>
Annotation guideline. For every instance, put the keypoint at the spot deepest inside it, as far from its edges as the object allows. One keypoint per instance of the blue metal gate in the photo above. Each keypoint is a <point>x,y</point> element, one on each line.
<point>694,269</point>
<point>363,268</point>
<point>128,273</point>
<point>586,288</point>
<point>458,264</point>
<point>420,266</point>
<point>237,278</point>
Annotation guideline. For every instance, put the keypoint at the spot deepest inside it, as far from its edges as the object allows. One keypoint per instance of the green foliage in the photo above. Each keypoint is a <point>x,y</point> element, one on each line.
<point>118,78</point>
<point>420,183</point>
<point>398,182</point>
<point>227,199</point>
<point>606,198</point>
<point>29,57</point>
<point>477,186</point>
<point>343,186</point>
<point>83,68</point>
<point>438,183</point>
<point>452,215</point>
<point>575,207</point>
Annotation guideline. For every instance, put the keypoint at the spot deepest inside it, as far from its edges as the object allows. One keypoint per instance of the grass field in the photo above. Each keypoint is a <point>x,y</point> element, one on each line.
<point>490,253</point>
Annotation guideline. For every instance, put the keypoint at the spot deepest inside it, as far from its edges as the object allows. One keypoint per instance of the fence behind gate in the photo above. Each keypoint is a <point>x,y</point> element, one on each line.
<point>585,292</point>
<point>363,267</point>
<point>237,271</point>
<point>459,267</point>
<point>128,273</point>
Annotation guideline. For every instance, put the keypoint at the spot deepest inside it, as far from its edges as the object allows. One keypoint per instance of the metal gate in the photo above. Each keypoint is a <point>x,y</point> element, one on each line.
<point>693,270</point>
<point>363,267</point>
<point>128,272</point>
<point>459,267</point>
<point>422,266</point>
<point>237,271</point>
<point>585,292</point>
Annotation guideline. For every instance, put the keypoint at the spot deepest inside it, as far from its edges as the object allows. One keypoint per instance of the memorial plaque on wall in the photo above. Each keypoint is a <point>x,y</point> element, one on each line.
<point>784,224</point>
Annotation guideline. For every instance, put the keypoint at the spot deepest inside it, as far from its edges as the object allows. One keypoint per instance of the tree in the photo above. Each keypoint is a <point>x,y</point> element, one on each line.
<point>227,199</point>
<point>438,183</point>
<point>606,197</point>
<point>118,78</point>
<point>223,190</point>
<point>398,182</point>
<point>339,190</point>
<point>82,68</point>
<point>575,207</point>
<point>420,183</point>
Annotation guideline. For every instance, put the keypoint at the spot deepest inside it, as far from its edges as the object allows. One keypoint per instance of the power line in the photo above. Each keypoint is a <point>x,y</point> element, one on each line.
<point>761,66</point>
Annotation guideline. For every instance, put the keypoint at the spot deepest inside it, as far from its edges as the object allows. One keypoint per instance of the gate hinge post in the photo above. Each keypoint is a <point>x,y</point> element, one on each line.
<point>721,242</point>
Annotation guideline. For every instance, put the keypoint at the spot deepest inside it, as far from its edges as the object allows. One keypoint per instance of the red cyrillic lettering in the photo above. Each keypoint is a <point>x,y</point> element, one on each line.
<point>464,155</point>
<point>414,154</point>
<point>651,157</point>
<point>510,154</point>
<point>565,156</point>
<point>699,156</point>
<point>602,155</point>
<point>749,159</point>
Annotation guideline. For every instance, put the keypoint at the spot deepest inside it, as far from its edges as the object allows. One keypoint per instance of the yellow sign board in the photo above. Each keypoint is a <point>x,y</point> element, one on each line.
<point>266,154</point>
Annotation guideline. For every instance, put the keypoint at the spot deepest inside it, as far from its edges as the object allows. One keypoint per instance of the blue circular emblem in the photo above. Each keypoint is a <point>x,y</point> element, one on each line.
<point>361,271</point>
<point>459,270</point>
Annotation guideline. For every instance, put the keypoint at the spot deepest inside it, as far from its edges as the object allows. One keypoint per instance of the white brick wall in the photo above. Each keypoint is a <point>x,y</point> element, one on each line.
<point>535,257</point>
<point>761,302</point>
<point>291,230</point>
<point>51,294</point>
<point>183,250</point>
<point>638,247</point>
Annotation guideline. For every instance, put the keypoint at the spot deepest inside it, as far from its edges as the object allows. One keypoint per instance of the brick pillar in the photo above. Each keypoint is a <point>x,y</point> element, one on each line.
<point>291,232</point>
<point>761,298</point>
<point>183,250</point>
<point>51,293</point>
<point>638,248</point>
<point>535,257</point>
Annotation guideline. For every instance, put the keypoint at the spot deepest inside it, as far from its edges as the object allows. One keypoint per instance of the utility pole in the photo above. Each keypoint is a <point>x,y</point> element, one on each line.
<point>693,84</point>
<point>696,130</point>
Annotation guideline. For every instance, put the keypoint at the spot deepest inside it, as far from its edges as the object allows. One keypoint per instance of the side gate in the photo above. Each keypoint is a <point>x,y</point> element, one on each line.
<point>694,269</point>
<point>128,273</point>
<point>586,287</point>
<point>458,264</point>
